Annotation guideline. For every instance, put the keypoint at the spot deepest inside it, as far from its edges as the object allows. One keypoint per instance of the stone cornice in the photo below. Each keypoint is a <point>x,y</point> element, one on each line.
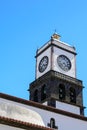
<point>52,73</point>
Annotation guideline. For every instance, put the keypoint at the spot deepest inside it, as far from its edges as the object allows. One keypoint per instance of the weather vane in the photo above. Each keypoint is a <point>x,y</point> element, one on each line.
<point>55,31</point>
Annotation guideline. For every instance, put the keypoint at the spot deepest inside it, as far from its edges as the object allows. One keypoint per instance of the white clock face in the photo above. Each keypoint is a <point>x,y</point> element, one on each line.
<point>43,64</point>
<point>64,63</point>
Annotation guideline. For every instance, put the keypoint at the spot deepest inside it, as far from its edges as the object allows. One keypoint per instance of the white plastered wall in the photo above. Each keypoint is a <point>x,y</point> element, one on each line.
<point>62,121</point>
<point>68,107</point>
<point>7,127</point>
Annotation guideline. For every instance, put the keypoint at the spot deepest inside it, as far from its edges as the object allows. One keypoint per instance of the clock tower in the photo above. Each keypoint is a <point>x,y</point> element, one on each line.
<point>55,82</point>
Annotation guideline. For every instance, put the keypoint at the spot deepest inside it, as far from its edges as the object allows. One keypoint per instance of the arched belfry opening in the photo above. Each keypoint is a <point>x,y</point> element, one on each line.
<point>72,95</point>
<point>43,92</point>
<point>62,92</point>
<point>36,95</point>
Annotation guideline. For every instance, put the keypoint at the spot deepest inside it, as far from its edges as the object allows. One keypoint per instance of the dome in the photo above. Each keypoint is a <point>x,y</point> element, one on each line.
<point>20,112</point>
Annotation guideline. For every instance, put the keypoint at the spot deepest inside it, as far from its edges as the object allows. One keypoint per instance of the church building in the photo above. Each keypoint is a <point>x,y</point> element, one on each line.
<point>56,95</point>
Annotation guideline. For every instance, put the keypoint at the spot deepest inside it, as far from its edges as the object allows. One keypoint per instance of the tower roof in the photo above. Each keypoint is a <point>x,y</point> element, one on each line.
<point>56,36</point>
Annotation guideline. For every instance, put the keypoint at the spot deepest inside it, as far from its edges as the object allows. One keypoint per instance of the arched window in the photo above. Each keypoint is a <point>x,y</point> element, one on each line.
<point>52,123</point>
<point>72,95</point>
<point>36,95</point>
<point>43,92</point>
<point>61,91</point>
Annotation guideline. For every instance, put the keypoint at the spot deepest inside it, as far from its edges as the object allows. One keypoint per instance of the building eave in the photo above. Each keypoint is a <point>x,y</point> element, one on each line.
<point>21,124</point>
<point>41,106</point>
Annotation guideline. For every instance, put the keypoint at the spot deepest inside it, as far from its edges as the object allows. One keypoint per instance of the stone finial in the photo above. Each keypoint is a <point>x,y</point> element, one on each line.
<point>56,36</point>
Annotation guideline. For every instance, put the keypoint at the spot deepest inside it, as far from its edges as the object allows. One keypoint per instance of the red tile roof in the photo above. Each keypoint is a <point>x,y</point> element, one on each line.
<point>21,124</point>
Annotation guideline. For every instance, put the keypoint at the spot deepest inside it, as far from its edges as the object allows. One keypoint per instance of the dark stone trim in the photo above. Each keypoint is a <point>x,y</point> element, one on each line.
<point>38,105</point>
<point>58,75</point>
<point>52,44</point>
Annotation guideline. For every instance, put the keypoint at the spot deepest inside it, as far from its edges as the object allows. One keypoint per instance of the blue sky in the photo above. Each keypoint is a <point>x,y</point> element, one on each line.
<point>26,25</point>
